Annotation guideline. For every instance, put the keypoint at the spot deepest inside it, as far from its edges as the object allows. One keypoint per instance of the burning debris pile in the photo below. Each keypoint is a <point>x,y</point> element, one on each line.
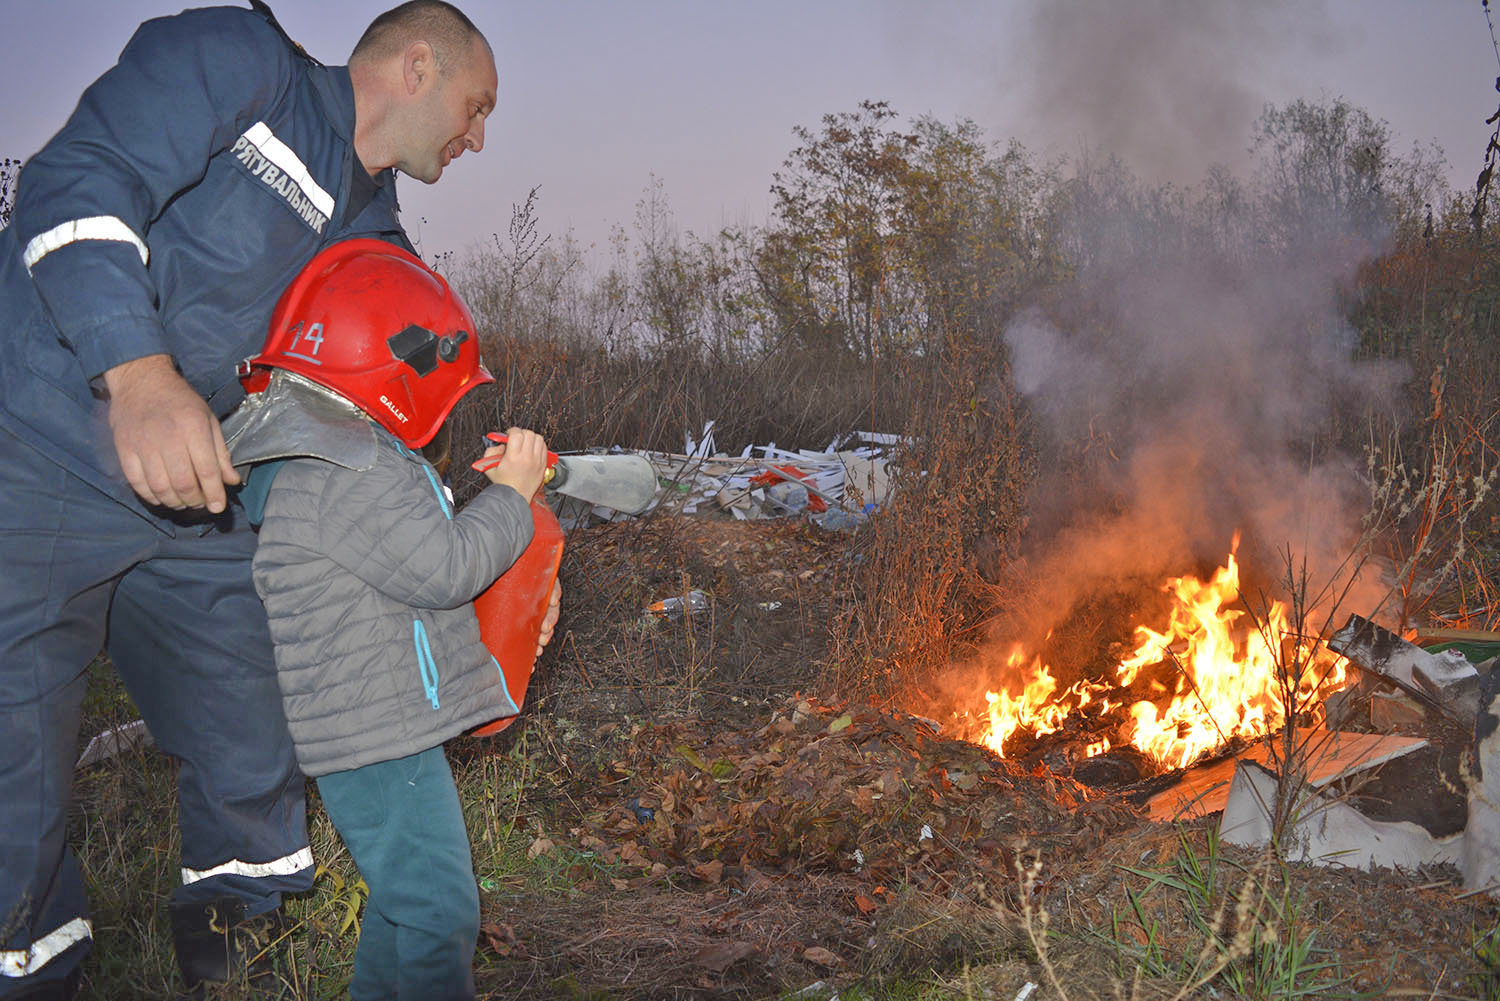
<point>1191,385</point>
<point>1390,757</point>
<point>1213,673</point>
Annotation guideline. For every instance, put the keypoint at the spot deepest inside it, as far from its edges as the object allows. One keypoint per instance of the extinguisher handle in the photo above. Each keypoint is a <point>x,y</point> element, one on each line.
<point>480,465</point>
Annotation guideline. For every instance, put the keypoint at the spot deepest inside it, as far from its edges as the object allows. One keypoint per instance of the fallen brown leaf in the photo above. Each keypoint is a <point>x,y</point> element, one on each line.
<point>499,938</point>
<point>722,955</point>
<point>821,956</point>
<point>754,879</point>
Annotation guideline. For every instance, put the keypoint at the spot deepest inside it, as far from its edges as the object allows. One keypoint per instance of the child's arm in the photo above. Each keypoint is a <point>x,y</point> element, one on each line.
<point>391,527</point>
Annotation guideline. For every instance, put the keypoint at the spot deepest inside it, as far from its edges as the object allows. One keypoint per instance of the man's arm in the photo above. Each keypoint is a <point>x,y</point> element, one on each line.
<point>183,89</point>
<point>170,446</point>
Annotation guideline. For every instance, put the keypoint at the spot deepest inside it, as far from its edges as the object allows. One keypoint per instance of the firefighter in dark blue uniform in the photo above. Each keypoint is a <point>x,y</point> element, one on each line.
<point>150,240</point>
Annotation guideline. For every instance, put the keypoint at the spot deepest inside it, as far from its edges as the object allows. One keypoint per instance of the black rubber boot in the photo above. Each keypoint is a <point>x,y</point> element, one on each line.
<point>216,945</point>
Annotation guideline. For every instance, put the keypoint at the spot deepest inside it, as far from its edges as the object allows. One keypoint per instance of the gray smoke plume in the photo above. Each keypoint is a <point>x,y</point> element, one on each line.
<point>1190,383</point>
<point>1188,392</point>
<point>1169,86</point>
<point>1197,380</point>
<point>1190,398</point>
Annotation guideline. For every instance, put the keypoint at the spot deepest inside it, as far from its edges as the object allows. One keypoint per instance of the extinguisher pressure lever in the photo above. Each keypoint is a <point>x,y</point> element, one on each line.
<point>480,465</point>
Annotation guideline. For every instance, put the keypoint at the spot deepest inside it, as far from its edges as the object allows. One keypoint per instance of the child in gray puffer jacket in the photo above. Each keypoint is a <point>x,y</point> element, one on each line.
<point>368,575</point>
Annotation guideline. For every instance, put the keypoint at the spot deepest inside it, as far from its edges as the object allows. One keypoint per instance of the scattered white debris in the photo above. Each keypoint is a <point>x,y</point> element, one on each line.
<point>704,446</point>
<point>114,741</point>
<point>1480,862</point>
<point>1326,831</point>
<point>672,607</point>
<point>836,489</point>
<point>1446,668</point>
<point>1446,683</point>
<point>767,481</point>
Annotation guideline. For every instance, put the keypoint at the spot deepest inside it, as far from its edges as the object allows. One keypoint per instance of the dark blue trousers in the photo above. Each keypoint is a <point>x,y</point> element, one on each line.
<point>184,627</point>
<point>402,822</point>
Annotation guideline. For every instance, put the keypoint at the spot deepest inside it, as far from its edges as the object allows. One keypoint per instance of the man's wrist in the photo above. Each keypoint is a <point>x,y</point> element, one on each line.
<point>109,382</point>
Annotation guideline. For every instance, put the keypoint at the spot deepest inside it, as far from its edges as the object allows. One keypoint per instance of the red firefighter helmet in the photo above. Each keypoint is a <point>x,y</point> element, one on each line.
<point>374,324</point>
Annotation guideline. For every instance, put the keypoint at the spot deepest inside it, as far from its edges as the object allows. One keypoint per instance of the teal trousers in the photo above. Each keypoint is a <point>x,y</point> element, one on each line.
<point>403,825</point>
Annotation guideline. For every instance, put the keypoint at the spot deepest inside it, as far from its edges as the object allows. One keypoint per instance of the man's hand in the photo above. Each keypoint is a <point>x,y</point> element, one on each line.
<point>549,621</point>
<point>169,443</point>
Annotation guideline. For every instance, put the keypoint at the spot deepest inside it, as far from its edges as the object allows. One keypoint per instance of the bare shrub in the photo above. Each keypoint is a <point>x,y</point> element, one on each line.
<point>958,490</point>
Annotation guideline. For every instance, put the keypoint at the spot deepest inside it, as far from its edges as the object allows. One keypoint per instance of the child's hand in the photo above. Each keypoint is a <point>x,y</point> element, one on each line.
<point>523,462</point>
<point>549,621</point>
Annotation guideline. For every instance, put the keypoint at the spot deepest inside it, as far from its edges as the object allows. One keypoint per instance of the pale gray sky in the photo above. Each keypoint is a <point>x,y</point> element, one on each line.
<point>597,97</point>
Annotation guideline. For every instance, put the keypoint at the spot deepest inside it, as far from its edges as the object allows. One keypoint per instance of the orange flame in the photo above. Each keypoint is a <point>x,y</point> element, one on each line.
<point>1228,671</point>
<point>1034,709</point>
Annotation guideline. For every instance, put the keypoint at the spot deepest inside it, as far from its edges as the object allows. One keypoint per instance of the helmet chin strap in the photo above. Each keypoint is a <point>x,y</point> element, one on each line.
<point>294,417</point>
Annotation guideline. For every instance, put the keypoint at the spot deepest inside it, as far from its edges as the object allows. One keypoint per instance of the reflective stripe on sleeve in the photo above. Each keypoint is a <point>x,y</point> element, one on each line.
<point>25,962</point>
<point>99,227</point>
<point>280,154</point>
<point>295,862</point>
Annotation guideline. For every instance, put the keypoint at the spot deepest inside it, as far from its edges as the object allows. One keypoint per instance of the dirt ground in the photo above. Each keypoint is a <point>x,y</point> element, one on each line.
<point>731,831</point>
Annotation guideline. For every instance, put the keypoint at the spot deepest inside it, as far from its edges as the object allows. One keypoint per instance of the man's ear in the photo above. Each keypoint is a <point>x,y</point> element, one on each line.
<point>418,67</point>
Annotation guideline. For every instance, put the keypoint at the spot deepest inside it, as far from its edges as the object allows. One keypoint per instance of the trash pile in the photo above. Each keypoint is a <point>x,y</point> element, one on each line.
<point>837,488</point>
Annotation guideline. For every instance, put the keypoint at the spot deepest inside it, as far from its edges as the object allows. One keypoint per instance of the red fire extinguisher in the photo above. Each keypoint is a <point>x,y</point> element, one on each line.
<point>511,610</point>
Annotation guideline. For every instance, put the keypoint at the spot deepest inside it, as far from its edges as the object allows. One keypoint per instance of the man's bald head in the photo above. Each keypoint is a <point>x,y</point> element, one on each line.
<point>443,26</point>
<point>424,81</point>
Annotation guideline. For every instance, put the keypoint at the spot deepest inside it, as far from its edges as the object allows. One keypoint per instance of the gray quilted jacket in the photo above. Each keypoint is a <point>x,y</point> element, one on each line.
<point>367,577</point>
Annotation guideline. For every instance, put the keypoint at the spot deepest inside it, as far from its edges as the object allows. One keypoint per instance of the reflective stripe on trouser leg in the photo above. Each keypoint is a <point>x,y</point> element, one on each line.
<point>285,866</point>
<point>188,634</point>
<point>61,542</point>
<point>43,908</point>
<point>16,963</point>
